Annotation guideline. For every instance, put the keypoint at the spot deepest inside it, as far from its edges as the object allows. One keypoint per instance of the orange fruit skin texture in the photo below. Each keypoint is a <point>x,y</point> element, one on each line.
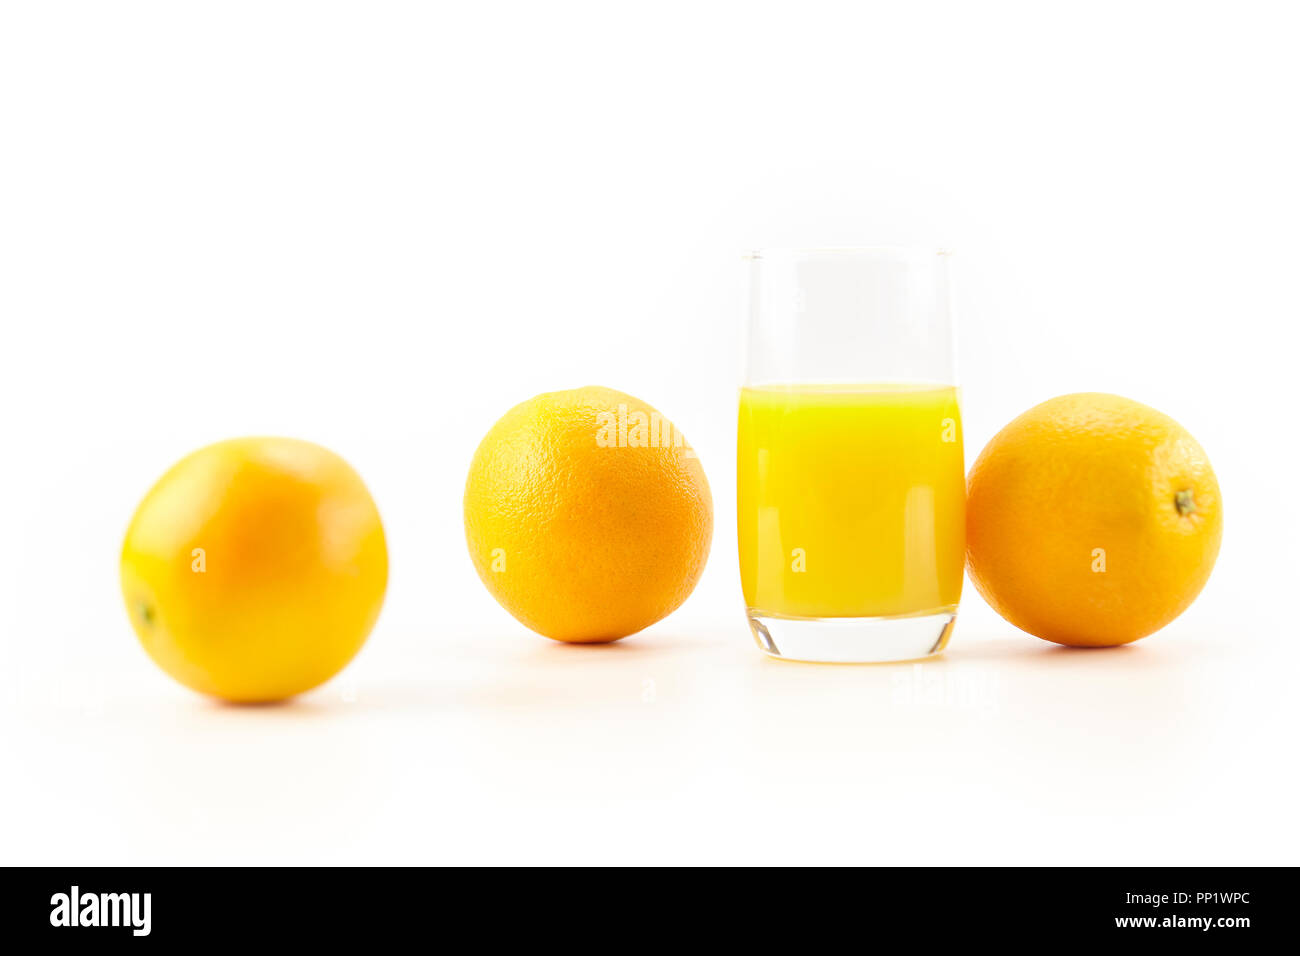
<point>1083,472</point>
<point>584,543</point>
<point>294,561</point>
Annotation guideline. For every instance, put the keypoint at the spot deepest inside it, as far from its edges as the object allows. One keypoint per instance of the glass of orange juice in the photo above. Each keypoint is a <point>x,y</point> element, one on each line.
<point>851,489</point>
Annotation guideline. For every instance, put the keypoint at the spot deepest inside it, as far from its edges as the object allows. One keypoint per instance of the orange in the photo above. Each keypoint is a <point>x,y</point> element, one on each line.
<point>587,515</point>
<point>1092,520</point>
<point>255,568</point>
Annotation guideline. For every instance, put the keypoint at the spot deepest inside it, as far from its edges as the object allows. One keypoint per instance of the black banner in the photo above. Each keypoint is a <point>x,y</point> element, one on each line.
<point>1225,906</point>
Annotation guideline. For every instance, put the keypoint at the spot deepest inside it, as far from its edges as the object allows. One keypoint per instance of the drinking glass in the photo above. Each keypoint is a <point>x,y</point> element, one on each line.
<point>851,488</point>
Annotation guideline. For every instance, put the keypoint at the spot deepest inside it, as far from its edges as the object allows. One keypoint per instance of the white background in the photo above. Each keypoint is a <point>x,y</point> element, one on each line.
<point>380,225</point>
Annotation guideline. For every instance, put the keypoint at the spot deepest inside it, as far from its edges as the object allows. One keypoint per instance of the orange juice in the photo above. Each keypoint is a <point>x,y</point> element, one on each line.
<point>851,500</point>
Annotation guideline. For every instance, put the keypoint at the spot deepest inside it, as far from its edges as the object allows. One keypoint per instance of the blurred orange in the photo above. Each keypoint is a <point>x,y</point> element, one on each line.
<point>255,568</point>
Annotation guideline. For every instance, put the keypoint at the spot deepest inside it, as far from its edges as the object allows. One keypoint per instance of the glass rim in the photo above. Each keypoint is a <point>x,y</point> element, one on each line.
<point>876,251</point>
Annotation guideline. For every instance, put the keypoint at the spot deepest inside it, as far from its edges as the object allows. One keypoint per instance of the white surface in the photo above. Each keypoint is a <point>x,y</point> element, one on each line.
<point>380,228</point>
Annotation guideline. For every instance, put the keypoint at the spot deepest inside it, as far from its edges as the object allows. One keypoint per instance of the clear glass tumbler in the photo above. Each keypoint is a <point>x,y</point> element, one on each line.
<point>851,486</point>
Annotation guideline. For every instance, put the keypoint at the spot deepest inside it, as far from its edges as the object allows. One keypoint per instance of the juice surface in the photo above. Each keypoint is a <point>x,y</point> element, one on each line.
<point>851,500</point>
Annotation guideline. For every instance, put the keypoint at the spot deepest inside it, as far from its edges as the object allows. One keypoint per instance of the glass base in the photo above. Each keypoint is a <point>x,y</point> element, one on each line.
<point>853,640</point>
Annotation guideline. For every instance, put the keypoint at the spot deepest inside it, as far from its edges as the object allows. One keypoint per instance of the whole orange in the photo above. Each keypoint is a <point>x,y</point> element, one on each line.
<point>255,568</point>
<point>1092,520</point>
<point>587,515</point>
